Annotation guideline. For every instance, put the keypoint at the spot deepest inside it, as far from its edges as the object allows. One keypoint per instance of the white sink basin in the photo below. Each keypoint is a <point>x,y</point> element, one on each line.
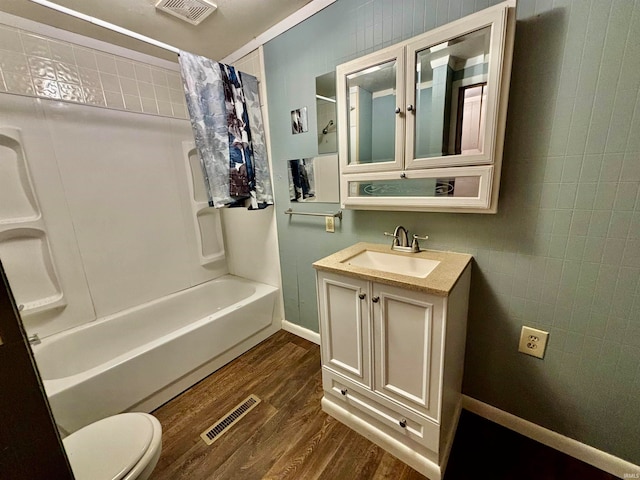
<point>390,262</point>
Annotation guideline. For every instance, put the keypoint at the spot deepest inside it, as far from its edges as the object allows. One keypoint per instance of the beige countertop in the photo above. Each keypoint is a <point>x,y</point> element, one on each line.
<point>439,282</point>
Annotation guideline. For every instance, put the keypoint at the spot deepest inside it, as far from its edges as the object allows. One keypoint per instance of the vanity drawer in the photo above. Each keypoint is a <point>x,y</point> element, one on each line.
<point>417,428</point>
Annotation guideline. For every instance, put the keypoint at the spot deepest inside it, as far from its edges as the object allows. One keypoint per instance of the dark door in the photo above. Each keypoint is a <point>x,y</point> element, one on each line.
<point>30,447</point>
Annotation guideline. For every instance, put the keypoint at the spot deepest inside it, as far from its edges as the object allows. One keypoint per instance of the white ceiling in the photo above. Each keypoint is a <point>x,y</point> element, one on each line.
<point>234,24</point>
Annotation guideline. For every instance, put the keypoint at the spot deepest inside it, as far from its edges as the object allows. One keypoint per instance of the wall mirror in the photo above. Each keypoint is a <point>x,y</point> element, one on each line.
<point>314,179</point>
<point>326,113</point>
<point>450,96</point>
<point>371,104</point>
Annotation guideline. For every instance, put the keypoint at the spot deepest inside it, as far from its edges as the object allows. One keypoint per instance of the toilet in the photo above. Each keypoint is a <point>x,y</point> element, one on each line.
<point>122,447</point>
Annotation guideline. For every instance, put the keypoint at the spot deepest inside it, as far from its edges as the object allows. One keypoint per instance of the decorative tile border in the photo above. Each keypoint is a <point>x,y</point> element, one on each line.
<point>40,66</point>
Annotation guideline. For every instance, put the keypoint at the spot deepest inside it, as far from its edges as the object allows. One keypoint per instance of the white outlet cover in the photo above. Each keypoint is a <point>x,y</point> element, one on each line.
<point>533,341</point>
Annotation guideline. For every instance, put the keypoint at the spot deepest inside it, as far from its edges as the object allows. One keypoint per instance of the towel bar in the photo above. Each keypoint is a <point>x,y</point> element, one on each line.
<point>338,214</point>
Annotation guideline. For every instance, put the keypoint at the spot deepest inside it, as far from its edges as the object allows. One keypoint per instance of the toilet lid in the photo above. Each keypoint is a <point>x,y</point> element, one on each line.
<point>110,448</point>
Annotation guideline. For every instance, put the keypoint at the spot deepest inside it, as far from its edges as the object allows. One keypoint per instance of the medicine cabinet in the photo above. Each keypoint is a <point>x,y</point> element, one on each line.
<point>421,123</point>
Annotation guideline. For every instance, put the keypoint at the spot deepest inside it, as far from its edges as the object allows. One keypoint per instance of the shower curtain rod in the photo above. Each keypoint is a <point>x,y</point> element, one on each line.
<point>107,25</point>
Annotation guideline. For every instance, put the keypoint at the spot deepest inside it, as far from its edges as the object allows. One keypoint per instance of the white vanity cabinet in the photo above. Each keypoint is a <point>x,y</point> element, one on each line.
<point>421,123</point>
<point>392,361</point>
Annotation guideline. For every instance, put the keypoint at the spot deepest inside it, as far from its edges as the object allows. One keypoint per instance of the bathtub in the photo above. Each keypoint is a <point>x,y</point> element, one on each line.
<point>141,357</point>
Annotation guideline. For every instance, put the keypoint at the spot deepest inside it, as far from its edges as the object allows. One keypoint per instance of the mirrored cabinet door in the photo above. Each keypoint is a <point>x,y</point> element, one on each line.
<point>454,92</point>
<point>371,109</point>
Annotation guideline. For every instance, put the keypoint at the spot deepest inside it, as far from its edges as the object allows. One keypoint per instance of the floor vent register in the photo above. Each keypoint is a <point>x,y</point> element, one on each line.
<point>216,430</point>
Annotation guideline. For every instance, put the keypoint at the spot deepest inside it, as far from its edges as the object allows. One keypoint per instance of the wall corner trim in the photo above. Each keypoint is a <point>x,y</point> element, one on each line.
<point>588,454</point>
<point>301,332</point>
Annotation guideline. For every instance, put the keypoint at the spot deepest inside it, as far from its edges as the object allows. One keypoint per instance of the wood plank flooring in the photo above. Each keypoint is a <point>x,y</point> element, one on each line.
<point>287,436</point>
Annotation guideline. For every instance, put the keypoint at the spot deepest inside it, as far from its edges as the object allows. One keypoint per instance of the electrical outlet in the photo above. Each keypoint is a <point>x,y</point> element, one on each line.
<point>533,342</point>
<point>329,223</point>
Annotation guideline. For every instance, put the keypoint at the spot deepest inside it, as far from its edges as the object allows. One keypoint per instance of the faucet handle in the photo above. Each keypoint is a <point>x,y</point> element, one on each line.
<point>396,238</point>
<point>415,247</point>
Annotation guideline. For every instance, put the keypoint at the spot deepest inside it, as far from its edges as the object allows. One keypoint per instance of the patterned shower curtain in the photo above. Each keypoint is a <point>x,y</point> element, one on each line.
<point>224,108</point>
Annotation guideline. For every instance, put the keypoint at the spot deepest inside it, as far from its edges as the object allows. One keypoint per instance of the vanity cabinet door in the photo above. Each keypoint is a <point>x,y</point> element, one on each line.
<point>408,336</point>
<point>345,326</point>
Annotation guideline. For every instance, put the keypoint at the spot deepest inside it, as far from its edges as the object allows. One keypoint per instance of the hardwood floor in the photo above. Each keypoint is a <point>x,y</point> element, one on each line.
<point>287,436</point>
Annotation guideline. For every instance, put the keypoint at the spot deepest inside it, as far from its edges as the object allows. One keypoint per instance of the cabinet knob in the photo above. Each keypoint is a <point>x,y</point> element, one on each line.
<point>375,299</point>
<point>343,391</point>
<point>410,108</point>
<point>397,110</point>
<point>403,175</point>
<point>403,423</point>
<point>362,296</point>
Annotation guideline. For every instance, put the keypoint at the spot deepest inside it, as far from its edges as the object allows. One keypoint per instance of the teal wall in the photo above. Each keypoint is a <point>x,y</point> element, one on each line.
<point>563,252</point>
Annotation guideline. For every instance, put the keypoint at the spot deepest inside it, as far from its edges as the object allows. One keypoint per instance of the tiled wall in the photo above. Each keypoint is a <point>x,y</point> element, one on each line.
<point>37,65</point>
<point>563,252</point>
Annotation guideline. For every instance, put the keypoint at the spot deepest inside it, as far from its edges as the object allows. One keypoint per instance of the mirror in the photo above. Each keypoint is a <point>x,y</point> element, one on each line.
<point>371,104</point>
<point>451,94</point>
<point>314,179</point>
<point>326,113</point>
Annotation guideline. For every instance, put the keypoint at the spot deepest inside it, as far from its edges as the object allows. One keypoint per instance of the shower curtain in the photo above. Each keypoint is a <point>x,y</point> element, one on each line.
<point>224,109</point>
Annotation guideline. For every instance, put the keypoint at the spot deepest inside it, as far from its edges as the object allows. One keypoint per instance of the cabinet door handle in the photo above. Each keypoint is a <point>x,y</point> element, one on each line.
<point>403,423</point>
<point>410,108</point>
<point>362,296</point>
<point>397,110</point>
<point>375,299</point>
<point>343,391</point>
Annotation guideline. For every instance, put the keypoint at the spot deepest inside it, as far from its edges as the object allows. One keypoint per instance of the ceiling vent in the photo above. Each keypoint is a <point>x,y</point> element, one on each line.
<point>192,11</point>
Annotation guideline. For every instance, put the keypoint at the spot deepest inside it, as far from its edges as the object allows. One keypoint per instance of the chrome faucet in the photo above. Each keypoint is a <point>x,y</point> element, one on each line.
<point>34,339</point>
<point>401,240</point>
<point>402,236</point>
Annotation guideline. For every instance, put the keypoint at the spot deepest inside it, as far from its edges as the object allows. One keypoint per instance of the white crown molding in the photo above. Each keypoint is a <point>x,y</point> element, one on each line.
<point>291,21</point>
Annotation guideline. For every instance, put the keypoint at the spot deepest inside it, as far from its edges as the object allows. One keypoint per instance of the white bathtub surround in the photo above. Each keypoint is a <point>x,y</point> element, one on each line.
<point>41,66</point>
<point>117,199</point>
<point>121,361</point>
<point>113,191</point>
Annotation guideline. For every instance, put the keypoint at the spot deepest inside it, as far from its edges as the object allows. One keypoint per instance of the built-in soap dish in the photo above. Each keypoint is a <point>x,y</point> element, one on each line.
<point>17,199</point>
<point>34,283</point>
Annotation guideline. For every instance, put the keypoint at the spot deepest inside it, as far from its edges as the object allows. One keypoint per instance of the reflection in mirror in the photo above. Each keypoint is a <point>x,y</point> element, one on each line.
<point>451,81</point>
<point>463,186</point>
<point>314,179</point>
<point>299,122</point>
<point>326,113</point>
<point>371,100</point>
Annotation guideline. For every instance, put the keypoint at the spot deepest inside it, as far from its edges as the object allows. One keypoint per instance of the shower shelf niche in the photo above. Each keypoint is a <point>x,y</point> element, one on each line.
<point>24,246</point>
<point>206,219</point>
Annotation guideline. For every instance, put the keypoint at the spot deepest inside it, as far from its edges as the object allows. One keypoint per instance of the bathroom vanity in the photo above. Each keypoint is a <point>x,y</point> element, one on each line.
<point>393,329</point>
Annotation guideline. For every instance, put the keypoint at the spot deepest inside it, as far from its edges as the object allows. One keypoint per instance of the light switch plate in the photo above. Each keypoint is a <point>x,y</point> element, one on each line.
<point>329,223</point>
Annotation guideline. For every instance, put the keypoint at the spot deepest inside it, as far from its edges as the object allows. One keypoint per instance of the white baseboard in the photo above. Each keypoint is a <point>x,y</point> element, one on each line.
<point>301,332</point>
<point>599,459</point>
